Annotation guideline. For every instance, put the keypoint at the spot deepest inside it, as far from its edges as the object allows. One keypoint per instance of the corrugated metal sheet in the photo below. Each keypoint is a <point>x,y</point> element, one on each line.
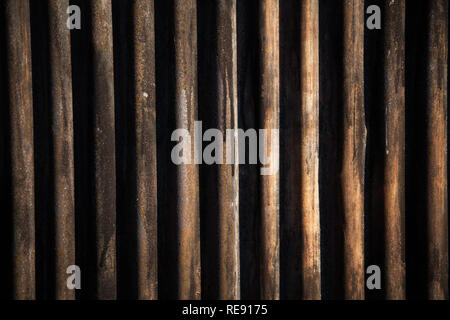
<point>87,177</point>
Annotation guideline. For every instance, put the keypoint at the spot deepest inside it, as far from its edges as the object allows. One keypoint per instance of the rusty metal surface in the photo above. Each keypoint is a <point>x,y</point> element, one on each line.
<point>62,132</point>
<point>22,153</point>
<point>104,148</point>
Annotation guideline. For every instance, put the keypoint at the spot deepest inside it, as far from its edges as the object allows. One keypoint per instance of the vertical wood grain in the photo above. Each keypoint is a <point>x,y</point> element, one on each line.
<point>309,140</point>
<point>104,148</point>
<point>437,197</point>
<point>145,126</point>
<point>394,153</point>
<point>185,33</point>
<point>269,120</point>
<point>353,149</point>
<point>228,176</point>
<point>62,134</point>
<point>22,147</point>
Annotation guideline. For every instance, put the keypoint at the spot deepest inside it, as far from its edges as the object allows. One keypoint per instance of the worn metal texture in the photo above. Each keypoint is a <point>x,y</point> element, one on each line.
<point>87,150</point>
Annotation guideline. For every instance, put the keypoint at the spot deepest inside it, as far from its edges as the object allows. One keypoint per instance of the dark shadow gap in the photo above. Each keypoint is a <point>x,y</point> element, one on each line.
<point>291,246</point>
<point>417,20</point>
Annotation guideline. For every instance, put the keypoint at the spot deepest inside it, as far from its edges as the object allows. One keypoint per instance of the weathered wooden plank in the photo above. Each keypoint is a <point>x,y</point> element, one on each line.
<point>228,174</point>
<point>269,120</point>
<point>104,148</point>
<point>309,139</point>
<point>185,40</point>
<point>353,149</point>
<point>437,197</point>
<point>145,126</point>
<point>22,153</point>
<point>60,77</point>
<point>394,155</point>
